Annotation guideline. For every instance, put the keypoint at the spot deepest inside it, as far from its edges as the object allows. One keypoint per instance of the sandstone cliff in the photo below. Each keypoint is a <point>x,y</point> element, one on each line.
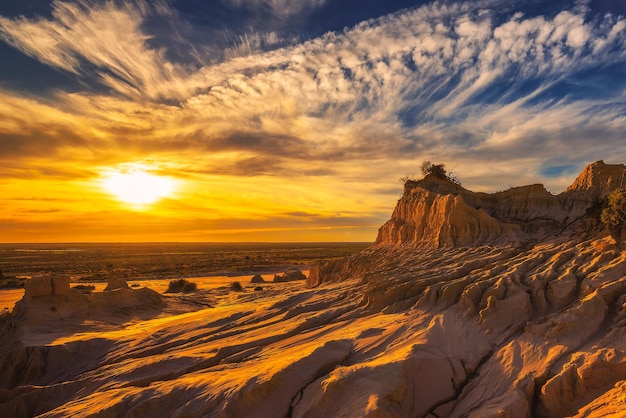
<point>435,212</point>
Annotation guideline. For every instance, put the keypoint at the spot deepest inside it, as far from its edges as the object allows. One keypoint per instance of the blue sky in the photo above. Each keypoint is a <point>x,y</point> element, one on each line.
<point>330,99</point>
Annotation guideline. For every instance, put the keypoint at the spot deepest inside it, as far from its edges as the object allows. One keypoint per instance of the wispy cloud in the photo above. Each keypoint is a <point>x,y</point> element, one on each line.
<point>255,42</point>
<point>105,39</point>
<point>282,8</point>
<point>377,88</point>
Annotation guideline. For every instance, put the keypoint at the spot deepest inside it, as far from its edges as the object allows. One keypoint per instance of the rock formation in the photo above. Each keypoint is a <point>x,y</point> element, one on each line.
<point>116,283</point>
<point>435,212</point>
<point>48,285</point>
<point>293,274</point>
<point>257,278</point>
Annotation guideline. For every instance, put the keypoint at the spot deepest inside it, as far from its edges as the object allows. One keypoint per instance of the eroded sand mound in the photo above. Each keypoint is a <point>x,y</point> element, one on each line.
<point>530,325</point>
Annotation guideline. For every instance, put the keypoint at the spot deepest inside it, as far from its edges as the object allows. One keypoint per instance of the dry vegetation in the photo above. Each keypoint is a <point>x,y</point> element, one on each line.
<point>181,286</point>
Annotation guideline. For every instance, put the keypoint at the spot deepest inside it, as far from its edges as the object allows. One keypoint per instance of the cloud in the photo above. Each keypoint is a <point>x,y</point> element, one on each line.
<point>450,80</point>
<point>248,44</point>
<point>282,8</point>
<point>105,39</point>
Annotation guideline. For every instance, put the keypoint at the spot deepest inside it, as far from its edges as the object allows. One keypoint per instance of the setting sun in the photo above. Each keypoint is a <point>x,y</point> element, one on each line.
<point>138,187</point>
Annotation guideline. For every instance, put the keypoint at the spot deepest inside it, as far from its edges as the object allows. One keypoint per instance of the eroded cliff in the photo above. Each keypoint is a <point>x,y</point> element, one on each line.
<point>435,212</point>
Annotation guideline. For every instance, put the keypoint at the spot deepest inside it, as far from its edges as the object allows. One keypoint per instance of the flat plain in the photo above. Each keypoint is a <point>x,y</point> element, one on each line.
<point>210,265</point>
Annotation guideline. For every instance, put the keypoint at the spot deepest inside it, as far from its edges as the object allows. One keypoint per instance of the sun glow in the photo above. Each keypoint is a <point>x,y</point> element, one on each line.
<point>138,187</point>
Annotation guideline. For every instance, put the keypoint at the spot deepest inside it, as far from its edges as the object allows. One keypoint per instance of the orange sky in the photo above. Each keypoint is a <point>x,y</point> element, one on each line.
<point>52,208</point>
<point>273,137</point>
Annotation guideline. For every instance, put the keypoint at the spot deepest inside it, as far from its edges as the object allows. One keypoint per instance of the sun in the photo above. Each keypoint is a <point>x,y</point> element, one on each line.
<point>137,186</point>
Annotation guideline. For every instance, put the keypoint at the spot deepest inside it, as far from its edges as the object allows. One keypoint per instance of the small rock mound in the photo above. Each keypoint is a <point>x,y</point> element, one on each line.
<point>257,278</point>
<point>116,283</point>
<point>290,275</point>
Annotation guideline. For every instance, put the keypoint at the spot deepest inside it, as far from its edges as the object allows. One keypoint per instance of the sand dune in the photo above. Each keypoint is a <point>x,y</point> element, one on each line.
<point>533,326</point>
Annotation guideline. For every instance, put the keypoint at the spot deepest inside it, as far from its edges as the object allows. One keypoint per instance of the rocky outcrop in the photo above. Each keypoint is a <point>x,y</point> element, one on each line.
<point>48,285</point>
<point>290,275</point>
<point>71,306</point>
<point>426,219</point>
<point>257,278</point>
<point>435,212</point>
<point>116,283</point>
<point>596,180</point>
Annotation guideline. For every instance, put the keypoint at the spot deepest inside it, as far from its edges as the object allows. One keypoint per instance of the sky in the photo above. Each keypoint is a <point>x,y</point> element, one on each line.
<point>291,120</point>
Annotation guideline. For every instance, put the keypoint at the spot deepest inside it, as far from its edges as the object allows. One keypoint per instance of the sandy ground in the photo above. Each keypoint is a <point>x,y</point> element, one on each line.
<point>9,297</point>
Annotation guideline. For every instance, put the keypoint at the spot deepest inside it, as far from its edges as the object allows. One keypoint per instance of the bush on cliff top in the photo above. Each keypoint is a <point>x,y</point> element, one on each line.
<point>436,170</point>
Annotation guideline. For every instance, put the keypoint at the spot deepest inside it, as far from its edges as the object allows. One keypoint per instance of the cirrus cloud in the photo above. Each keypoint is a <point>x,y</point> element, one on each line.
<point>282,8</point>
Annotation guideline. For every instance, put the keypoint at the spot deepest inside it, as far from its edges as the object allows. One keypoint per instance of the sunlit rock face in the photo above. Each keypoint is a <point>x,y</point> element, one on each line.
<point>596,180</point>
<point>48,285</point>
<point>515,307</point>
<point>435,212</point>
<point>424,218</point>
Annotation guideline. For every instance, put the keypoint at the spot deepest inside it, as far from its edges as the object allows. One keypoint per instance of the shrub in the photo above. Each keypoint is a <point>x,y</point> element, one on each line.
<point>614,214</point>
<point>85,288</point>
<point>236,286</point>
<point>181,285</point>
<point>437,170</point>
<point>190,287</point>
